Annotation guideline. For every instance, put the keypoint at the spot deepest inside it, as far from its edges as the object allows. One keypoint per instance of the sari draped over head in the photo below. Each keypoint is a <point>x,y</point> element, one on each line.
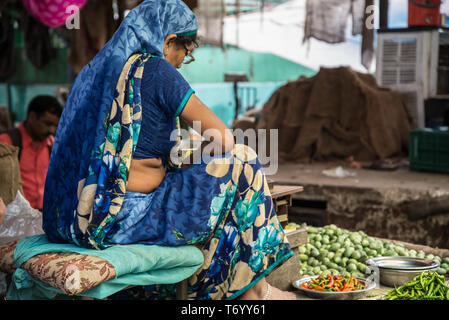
<point>99,127</point>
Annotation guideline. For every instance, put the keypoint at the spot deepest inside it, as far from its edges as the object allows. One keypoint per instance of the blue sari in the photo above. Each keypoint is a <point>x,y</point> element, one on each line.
<point>222,206</point>
<point>88,163</point>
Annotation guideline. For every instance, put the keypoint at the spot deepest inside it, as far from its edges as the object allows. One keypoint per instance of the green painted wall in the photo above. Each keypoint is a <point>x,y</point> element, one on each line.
<point>3,95</point>
<point>212,63</point>
<point>21,95</point>
<point>56,71</point>
<point>266,72</point>
<point>29,81</point>
<point>219,96</point>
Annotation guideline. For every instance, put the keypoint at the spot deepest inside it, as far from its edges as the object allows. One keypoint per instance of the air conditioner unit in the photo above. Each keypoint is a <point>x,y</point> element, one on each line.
<point>415,62</point>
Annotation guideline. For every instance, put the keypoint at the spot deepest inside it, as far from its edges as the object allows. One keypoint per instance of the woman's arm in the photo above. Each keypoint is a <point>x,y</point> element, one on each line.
<point>212,128</point>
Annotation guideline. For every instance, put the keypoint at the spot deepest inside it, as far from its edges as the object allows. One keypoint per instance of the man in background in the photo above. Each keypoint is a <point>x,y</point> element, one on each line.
<point>35,137</point>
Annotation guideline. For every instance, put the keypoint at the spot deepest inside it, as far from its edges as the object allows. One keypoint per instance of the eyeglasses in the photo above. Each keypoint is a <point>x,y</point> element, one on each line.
<point>188,57</point>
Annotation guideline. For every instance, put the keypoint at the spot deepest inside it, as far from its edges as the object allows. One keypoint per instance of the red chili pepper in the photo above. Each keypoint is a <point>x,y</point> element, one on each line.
<point>347,284</point>
<point>317,287</point>
<point>331,282</point>
<point>339,285</point>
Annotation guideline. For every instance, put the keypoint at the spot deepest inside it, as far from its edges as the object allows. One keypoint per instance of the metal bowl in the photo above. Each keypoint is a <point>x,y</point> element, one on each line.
<point>330,295</point>
<point>396,271</point>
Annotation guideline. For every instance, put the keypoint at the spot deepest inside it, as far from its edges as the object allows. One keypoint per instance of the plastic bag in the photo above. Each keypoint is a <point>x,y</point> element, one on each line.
<point>21,220</point>
<point>339,172</point>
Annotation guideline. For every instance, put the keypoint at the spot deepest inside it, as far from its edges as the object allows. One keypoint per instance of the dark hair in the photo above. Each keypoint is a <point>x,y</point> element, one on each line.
<point>45,103</point>
<point>183,41</point>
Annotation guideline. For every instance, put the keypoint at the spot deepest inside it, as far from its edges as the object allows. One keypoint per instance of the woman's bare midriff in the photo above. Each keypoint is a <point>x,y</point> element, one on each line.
<point>145,175</point>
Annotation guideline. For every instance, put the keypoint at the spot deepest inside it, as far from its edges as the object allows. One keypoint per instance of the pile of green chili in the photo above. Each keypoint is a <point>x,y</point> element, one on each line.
<point>426,286</point>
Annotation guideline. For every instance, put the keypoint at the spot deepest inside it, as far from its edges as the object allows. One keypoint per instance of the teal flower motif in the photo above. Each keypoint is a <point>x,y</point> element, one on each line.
<point>114,133</point>
<point>219,202</point>
<point>135,132</point>
<point>101,150</point>
<point>247,212</point>
<point>268,240</point>
<point>256,261</point>
<point>123,171</point>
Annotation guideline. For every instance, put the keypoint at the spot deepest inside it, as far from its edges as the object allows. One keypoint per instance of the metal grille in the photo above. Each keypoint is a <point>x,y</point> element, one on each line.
<point>399,61</point>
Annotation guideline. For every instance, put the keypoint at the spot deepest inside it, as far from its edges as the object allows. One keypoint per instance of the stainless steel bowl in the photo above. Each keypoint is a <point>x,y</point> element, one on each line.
<point>395,271</point>
<point>329,295</point>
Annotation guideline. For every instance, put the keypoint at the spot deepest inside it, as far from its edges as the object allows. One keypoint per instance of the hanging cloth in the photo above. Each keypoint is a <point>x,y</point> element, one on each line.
<point>97,25</point>
<point>367,39</point>
<point>53,13</point>
<point>38,47</point>
<point>326,20</point>
<point>210,15</point>
<point>7,53</point>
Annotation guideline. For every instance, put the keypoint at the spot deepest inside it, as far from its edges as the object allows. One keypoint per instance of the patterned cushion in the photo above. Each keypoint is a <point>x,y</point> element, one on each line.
<point>71,273</point>
<point>7,257</point>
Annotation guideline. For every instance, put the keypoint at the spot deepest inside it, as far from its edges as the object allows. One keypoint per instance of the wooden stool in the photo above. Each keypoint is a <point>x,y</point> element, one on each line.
<point>282,199</point>
<point>181,290</point>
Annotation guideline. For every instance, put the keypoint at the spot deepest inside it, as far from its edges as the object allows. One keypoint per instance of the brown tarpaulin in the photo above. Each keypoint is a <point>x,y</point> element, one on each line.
<point>336,114</point>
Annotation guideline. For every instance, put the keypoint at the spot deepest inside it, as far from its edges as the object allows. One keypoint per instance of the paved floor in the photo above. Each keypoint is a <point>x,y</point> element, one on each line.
<point>307,174</point>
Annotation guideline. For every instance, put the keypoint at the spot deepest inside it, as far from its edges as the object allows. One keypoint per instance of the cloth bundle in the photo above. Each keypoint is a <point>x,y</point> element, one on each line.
<point>7,43</point>
<point>9,173</point>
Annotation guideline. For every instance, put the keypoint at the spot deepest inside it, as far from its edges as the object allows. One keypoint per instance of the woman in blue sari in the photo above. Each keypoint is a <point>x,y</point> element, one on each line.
<point>111,179</point>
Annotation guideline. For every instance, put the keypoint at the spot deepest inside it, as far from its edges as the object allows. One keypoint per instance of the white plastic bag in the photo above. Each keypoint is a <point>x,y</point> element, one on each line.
<point>21,220</point>
<point>339,172</point>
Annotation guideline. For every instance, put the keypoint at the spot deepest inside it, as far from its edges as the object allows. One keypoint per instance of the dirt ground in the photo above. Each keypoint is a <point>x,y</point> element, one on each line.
<point>306,174</point>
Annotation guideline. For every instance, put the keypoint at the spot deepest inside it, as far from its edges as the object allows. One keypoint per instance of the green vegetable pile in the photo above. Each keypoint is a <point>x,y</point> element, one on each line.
<point>332,250</point>
<point>426,286</point>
